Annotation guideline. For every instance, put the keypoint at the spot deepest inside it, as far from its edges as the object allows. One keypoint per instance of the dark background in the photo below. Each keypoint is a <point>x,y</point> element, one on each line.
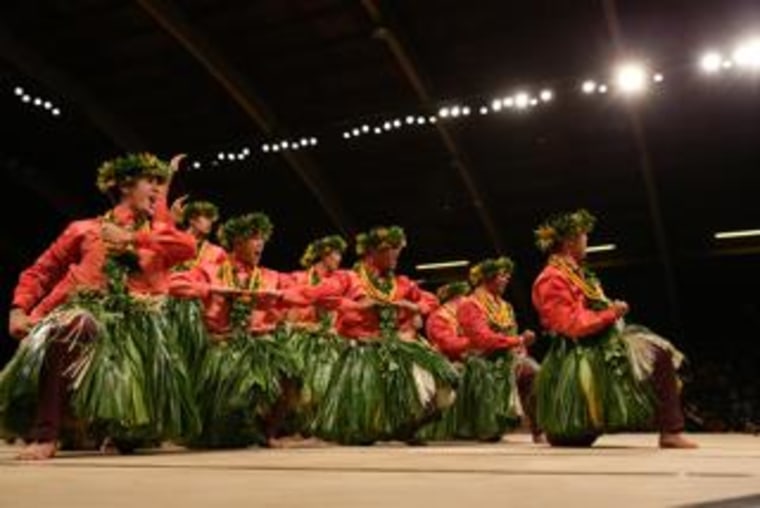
<point>200,76</point>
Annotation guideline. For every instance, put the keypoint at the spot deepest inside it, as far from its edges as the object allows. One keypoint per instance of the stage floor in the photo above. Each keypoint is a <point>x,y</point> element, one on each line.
<point>621,471</point>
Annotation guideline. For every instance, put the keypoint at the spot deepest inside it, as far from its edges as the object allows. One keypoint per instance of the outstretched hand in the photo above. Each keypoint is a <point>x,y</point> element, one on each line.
<point>178,208</point>
<point>19,324</point>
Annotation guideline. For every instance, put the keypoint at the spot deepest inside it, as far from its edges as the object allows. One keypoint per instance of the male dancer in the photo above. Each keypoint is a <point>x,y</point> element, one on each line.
<point>600,375</point>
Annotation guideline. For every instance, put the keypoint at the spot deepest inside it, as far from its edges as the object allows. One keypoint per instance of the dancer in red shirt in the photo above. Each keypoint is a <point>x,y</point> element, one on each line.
<point>246,381</point>
<point>387,383</point>
<point>89,313</point>
<point>600,374</point>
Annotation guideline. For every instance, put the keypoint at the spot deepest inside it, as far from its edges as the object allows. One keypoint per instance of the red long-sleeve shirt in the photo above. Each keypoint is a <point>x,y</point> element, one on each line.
<point>365,323</point>
<point>197,283</point>
<point>318,299</point>
<point>75,261</point>
<point>444,331</point>
<point>563,308</point>
<point>473,318</point>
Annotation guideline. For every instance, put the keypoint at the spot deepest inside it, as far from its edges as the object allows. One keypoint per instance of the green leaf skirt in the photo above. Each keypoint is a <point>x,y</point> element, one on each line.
<point>589,387</point>
<point>382,390</point>
<point>316,353</point>
<point>238,383</point>
<point>486,405</point>
<point>128,379</point>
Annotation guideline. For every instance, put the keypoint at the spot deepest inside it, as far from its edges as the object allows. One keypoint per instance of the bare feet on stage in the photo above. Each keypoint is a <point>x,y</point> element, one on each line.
<point>296,441</point>
<point>676,441</point>
<point>38,451</point>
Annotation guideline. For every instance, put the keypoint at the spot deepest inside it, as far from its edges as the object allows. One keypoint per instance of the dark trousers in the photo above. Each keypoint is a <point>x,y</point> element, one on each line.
<point>669,415</point>
<point>526,372</point>
<point>53,394</point>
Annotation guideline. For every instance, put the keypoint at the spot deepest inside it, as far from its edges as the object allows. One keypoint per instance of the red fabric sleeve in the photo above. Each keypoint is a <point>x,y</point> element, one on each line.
<point>474,323</point>
<point>39,279</point>
<point>427,301</point>
<point>192,283</point>
<point>173,245</point>
<point>443,333</point>
<point>565,313</point>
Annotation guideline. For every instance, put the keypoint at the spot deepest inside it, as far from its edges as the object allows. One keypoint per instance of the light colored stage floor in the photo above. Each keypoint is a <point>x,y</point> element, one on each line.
<point>623,470</point>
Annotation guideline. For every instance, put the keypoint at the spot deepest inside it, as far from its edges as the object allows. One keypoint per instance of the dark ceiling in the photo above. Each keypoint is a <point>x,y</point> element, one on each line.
<point>202,76</point>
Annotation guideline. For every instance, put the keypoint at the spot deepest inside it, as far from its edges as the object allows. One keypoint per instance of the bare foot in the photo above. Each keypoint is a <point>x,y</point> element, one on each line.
<point>107,447</point>
<point>539,438</point>
<point>676,441</point>
<point>38,451</point>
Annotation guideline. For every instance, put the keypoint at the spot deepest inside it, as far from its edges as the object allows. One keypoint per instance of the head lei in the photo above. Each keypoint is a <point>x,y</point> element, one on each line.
<point>200,209</point>
<point>244,226</point>
<point>452,290</point>
<point>125,170</point>
<point>318,248</point>
<point>559,228</point>
<point>490,268</point>
<point>380,238</point>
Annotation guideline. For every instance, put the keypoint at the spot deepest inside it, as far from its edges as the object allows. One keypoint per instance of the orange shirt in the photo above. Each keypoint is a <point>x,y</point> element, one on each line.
<point>75,261</point>
<point>563,308</point>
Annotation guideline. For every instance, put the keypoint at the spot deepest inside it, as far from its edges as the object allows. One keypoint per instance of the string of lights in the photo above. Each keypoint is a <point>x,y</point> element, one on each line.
<point>627,81</point>
<point>39,102</point>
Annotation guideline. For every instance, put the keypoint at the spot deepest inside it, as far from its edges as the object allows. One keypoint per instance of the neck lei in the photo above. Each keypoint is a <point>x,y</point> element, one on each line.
<point>230,277</point>
<point>500,314</point>
<point>379,288</point>
<point>119,265</point>
<point>581,278</point>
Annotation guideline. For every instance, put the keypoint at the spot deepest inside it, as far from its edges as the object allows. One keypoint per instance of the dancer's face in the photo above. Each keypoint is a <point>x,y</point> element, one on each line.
<point>142,195</point>
<point>331,260</point>
<point>201,225</point>
<point>576,246</point>
<point>249,250</point>
<point>386,259</point>
<point>498,284</point>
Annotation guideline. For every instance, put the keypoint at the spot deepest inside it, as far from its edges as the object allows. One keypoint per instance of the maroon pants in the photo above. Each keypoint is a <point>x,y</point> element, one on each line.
<point>669,415</point>
<point>53,389</point>
<point>526,374</point>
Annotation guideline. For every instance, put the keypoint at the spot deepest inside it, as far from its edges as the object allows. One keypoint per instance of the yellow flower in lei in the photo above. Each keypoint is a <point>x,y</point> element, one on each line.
<point>500,314</point>
<point>590,288</point>
<point>376,289</point>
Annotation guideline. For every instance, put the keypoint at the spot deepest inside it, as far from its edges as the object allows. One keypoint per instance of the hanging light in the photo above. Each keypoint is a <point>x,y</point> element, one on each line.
<point>313,141</point>
<point>522,100</point>
<point>197,165</point>
<point>711,62</point>
<point>246,151</point>
<point>496,105</point>
<point>365,128</point>
<point>264,148</point>
<point>546,95</point>
<point>508,102</point>
<point>631,78</point>
<point>220,156</point>
<point>658,78</point>
<point>409,120</point>
<point>397,123</point>
<point>747,54</point>
<point>455,111</point>
<point>602,89</point>
<point>18,91</point>
<point>346,135</point>
<point>356,132</point>
<point>443,112</point>
<point>483,110</point>
<point>378,130</point>
<point>387,126</point>
<point>37,101</point>
<point>56,112</point>
<point>466,111</point>
<point>588,86</point>
<point>433,119</point>
<point>421,120</point>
